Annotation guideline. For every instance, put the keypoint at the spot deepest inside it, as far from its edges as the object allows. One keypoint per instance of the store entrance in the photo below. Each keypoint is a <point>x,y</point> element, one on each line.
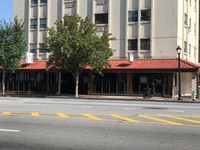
<point>157,85</point>
<point>153,82</point>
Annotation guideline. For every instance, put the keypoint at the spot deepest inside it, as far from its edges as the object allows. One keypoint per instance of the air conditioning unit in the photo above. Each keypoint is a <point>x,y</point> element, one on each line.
<point>100,29</point>
<point>29,58</point>
<point>130,57</point>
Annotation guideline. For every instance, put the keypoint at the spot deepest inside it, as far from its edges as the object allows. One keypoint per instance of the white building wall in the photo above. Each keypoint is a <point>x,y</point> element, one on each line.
<point>117,21</point>
<point>165,30</point>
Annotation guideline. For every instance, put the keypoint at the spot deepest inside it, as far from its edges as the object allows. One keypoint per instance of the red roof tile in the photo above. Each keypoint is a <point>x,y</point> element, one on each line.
<point>152,64</point>
<point>36,65</point>
<point>139,64</point>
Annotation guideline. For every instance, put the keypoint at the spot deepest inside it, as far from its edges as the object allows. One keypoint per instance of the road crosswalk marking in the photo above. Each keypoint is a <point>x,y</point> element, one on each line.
<point>6,113</point>
<point>160,120</point>
<point>92,117</point>
<point>35,114</point>
<point>62,115</point>
<point>184,119</point>
<point>196,116</point>
<point>124,118</point>
<point>137,118</point>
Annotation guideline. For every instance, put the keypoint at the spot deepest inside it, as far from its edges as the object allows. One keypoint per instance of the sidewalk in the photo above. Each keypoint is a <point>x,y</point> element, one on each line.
<point>136,98</point>
<point>106,97</point>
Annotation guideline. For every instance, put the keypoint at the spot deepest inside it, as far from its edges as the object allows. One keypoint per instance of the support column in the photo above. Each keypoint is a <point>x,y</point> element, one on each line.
<point>129,83</point>
<point>59,83</point>
<point>90,83</point>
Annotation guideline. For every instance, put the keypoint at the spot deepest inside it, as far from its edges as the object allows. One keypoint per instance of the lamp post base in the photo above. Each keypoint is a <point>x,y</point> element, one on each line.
<point>179,98</point>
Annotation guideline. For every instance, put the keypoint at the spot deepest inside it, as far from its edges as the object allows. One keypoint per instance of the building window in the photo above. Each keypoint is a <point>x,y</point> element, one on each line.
<point>34,1</point>
<point>43,22</point>
<point>190,50</point>
<point>132,44</point>
<point>101,18</point>
<point>185,19</point>
<point>33,48</point>
<point>133,16</point>
<point>42,48</point>
<point>33,24</point>
<point>43,1</point>
<point>185,47</point>
<point>145,44</point>
<point>100,2</point>
<point>190,23</point>
<point>195,26</point>
<point>69,5</point>
<point>195,52</point>
<point>146,15</point>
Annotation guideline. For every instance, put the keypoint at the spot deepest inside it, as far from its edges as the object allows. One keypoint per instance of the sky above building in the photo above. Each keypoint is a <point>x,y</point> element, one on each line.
<point>6,10</point>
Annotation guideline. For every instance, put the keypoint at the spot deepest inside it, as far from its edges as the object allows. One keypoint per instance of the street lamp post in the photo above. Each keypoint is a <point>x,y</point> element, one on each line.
<point>178,49</point>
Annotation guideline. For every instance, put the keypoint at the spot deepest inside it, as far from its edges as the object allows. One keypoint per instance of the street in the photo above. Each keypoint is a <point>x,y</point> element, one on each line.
<point>81,124</point>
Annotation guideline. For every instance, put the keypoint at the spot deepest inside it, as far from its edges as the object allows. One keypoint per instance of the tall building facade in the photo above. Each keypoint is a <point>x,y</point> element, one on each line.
<point>149,29</point>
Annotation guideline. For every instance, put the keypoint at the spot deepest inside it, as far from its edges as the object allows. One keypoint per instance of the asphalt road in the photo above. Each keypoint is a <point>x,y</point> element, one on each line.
<point>75,124</point>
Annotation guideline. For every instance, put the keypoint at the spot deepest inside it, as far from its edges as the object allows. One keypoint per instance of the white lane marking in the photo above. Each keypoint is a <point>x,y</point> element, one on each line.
<point>9,130</point>
<point>128,108</point>
<point>86,106</point>
<point>178,111</point>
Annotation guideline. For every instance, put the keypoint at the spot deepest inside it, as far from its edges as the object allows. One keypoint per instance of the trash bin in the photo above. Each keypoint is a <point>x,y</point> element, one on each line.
<point>193,95</point>
<point>147,93</point>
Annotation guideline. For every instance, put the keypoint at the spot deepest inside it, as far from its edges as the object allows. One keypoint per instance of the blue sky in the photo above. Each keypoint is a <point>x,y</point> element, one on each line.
<point>6,10</point>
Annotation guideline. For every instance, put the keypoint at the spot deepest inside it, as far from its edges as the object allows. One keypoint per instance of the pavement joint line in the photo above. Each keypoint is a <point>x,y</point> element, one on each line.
<point>124,118</point>
<point>184,119</point>
<point>161,120</point>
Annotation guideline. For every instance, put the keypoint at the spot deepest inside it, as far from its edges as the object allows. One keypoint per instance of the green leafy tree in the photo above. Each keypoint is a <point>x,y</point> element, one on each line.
<point>74,45</point>
<point>12,46</point>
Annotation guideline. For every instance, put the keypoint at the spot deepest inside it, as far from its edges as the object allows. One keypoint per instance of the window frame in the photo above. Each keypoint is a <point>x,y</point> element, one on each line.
<point>101,19</point>
<point>34,2</point>
<point>43,1</point>
<point>133,44</point>
<point>42,23</point>
<point>132,17</point>
<point>147,16</point>
<point>145,44</point>
<point>33,50</point>
<point>41,49</point>
<point>33,23</point>
<point>185,47</point>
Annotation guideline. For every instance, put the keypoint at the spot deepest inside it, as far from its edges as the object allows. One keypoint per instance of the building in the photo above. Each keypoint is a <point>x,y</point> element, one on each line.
<point>150,29</point>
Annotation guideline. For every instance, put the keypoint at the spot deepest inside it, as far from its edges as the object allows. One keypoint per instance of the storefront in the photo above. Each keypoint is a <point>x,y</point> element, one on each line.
<point>122,78</point>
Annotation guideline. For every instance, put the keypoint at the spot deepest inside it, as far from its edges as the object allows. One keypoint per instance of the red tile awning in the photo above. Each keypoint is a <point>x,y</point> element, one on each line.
<point>142,65</point>
<point>36,65</point>
<point>169,65</point>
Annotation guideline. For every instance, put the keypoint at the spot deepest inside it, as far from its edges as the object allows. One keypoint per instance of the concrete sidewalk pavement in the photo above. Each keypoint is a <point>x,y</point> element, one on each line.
<point>138,98</point>
<point>103,97</point>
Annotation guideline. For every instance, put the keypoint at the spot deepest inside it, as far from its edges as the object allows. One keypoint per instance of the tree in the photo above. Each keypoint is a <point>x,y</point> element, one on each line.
<point>12,46</point>
<point>73,45</point>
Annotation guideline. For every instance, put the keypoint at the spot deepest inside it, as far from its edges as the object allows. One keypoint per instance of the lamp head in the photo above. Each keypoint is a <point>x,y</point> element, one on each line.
<point>178,49</point>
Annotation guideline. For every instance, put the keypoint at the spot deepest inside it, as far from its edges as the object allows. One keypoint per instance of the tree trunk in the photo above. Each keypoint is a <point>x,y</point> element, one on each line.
<point>3,82</point>
<point>77,80</point>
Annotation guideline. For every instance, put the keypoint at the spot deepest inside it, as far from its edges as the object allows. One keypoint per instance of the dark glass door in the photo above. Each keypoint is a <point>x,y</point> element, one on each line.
<point>158,85</point>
